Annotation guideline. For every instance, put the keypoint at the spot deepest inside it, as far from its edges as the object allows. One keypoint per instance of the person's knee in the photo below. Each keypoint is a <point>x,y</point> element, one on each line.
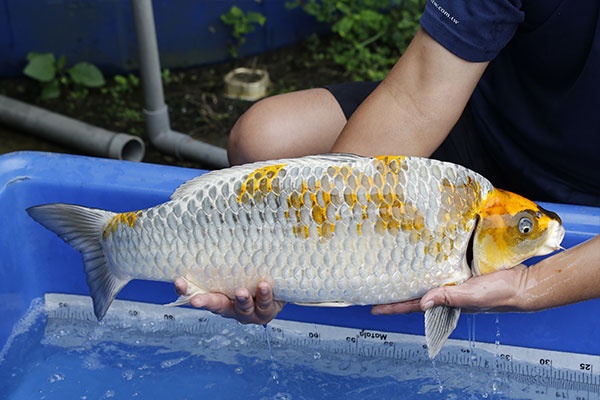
<point>251,137</point>
<point>286,125</point>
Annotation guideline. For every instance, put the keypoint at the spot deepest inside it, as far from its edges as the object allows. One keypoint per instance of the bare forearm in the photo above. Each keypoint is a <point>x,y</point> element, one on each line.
<point>414,108</point>
<point>567,277</point>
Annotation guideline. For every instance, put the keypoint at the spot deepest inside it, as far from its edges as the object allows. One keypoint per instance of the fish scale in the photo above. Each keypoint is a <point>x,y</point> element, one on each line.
<point>275,222</point>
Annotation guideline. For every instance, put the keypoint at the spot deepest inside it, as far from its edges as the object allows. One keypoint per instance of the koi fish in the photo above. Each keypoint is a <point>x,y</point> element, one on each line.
<point>328,230</point>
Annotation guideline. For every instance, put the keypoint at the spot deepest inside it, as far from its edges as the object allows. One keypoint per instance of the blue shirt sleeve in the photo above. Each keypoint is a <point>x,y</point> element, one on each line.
<point>474,30</point>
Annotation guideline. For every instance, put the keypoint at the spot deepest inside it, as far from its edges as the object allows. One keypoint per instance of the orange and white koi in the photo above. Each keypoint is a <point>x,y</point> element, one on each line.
<point>330,230</point>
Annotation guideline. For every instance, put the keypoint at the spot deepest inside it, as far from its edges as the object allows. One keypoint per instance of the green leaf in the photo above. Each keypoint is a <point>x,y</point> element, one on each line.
<point>343,26</point>
<point>86,74</point>
<point>40,67</point>
<point>50,90</point>
<point>232,16</point>
<point>60,63</point>
<point>256,18</point>
<point>120,80</point>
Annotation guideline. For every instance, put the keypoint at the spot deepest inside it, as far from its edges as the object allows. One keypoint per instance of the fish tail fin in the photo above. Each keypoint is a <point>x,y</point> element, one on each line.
<point>82,228</point>
<point>440,321</point>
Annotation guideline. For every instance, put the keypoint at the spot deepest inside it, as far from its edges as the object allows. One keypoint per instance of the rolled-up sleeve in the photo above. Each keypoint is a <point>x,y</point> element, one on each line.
<point>474,30</point>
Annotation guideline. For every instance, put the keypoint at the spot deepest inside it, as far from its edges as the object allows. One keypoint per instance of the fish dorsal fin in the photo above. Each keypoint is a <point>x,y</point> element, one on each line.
<point>193,184</point>
<point>190,186</point>
<point>440,321</point>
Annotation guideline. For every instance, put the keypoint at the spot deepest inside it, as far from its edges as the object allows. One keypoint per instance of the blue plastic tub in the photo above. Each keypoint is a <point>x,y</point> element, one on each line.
<point>34,261</point>
<point>189,32</point>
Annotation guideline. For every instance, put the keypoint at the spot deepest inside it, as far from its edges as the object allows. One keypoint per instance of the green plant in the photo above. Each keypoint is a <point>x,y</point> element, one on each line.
<point>242,24</point>
<point>167,78</point>
<point>368,35</point>
<point>51,73</point>
<point>119,90</point>
<point>121,84</point>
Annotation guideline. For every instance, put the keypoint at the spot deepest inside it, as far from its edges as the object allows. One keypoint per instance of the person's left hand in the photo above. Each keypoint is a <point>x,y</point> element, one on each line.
<point>243,307</point>
<point>498,291</point>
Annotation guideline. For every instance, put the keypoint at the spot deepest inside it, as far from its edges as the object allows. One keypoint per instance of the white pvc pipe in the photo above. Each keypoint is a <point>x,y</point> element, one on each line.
<point>70,132</point>
<point>156,112</point>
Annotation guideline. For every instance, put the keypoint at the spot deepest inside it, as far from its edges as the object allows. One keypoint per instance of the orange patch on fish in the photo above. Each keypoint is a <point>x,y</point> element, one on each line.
<point>260,182</point>
<point>318,202</point>
<point>360,192</point>
<point>502,202</point>
<point>127,219</point>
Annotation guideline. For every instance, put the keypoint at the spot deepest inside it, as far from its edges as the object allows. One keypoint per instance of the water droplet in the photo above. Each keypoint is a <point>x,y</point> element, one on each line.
<point>317,356</point>
<point>57,377</point>
<point>275,376</point>
<point>172,362</point>
<point>110,393</point>
<point>282,396</point>
<point>438,377</point>
<point>239,370</point>
<point>128,375</point>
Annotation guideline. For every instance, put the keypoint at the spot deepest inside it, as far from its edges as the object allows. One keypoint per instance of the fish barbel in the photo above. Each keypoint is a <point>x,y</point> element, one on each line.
<point>334,229</point>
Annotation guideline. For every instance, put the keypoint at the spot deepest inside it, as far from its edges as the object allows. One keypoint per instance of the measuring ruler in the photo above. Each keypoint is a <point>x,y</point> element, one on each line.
<point>534,373</point>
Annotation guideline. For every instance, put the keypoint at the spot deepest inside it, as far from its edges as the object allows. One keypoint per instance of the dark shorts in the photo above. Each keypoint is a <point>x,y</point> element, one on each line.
<point>462,145</point>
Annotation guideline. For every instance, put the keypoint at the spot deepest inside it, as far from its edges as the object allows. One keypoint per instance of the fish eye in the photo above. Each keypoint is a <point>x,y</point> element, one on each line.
<point>525,225</point>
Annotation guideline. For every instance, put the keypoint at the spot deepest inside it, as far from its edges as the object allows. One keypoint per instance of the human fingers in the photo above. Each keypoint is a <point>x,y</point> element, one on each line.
<point>180,286</point>
<point>243,307</point>
<point>216,303</point>
<point>266,307</point>
<point>494,291</point>
<point>260,310</point>
<point>491,292</point>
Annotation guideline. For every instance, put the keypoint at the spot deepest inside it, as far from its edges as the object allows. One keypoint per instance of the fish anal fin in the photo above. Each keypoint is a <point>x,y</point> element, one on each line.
<point>326,304</point>
<point>440,322</point>
<point>192,290</point>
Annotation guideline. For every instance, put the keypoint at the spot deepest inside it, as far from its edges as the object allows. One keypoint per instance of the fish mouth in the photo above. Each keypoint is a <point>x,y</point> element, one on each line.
<point>555,237</point>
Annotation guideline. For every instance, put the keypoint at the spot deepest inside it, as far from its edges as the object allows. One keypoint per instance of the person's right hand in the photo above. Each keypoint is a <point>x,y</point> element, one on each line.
<point>243,307</point>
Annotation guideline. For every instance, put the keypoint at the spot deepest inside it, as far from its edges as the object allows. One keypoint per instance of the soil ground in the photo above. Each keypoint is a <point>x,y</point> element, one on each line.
<point>194,97</point>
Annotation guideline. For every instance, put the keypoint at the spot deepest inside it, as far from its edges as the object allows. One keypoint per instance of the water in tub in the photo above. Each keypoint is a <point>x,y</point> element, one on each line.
<point>143,351</point>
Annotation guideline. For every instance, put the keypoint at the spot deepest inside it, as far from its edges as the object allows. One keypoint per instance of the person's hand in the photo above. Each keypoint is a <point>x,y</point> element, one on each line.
<point>243,307</point>
<point>498,291</point>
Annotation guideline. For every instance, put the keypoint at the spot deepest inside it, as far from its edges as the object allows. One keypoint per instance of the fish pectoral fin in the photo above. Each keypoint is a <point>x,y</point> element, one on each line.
<point>326,304</point>
<point>184,299</point>
<point>440,321</point>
